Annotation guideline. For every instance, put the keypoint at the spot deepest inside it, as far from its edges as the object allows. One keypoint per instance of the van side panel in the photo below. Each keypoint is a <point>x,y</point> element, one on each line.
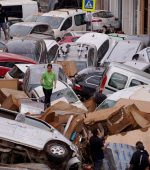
<point>29,9</point>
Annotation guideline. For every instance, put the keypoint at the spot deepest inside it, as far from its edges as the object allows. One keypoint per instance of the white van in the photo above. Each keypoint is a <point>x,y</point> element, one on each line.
<point>101,41</point>
<point>20,8</point>
<point>64,20</point>
<point>141,93</point>
<point>119,76</point>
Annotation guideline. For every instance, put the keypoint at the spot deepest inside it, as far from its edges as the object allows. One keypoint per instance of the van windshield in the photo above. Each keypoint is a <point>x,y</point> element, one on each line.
<point>54,22</point>
<point>106,104</point>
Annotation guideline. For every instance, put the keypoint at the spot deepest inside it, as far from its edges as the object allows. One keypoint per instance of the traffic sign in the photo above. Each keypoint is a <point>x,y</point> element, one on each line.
<point>89,5</point>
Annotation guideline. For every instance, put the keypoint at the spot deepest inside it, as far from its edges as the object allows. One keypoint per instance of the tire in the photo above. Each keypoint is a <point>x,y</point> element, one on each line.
<point>57,151</point>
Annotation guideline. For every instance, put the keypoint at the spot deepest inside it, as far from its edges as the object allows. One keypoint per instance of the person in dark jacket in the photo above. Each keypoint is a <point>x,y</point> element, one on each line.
<point>97,150</point>
<point>140,158</point>
<point>3,20</point>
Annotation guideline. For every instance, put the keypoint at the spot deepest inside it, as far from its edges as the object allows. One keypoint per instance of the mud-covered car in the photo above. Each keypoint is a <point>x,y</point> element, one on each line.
<point>24,139</point>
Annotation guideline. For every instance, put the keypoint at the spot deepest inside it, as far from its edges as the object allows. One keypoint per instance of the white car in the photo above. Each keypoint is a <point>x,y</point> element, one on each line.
<point>62,92</point>
<point>52,47</point>
<point>29,140</point>
<point>63,20</point>
<point>101,41</point>
<point>83,54</point>
<point>101,18</point>
<point>141,93</point>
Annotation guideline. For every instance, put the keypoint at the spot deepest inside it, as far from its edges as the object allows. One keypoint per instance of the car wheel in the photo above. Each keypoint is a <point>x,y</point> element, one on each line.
<point>57,151</point>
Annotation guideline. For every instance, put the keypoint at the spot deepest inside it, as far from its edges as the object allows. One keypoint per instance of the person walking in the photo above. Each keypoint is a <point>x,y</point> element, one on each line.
<point>48,81</point>
<point>3,20</point>
<point>140,158</point>
<point>97,150</point>
<point>88,20</point>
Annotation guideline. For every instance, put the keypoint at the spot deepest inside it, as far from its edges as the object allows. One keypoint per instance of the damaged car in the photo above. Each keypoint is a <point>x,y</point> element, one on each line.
<point>62,92</point>
<point>24,139</point>
<point>84,55</point>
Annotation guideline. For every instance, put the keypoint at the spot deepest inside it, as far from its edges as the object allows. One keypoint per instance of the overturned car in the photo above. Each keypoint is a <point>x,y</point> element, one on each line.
<point>24,139</point>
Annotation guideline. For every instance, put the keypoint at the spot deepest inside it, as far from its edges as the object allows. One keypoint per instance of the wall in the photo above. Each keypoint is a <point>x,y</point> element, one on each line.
<point>113,7</point>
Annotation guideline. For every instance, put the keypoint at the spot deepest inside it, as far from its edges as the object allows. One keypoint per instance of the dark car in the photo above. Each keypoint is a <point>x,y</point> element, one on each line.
<point>86,81</point>
<point>29,47</point>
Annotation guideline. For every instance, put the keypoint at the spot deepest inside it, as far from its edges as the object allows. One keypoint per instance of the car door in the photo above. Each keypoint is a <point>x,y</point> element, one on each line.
<point>67,26</point>
<point>116,81</point>
<point>79,22</point>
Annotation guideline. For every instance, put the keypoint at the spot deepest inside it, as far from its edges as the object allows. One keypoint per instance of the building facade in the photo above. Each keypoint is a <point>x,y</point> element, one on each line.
<point>134,15</point>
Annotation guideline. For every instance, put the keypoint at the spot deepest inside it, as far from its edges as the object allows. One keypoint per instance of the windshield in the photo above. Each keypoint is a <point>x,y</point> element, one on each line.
<point>106,104</point>
<point>19,30</point>
<point>54,22</point>
<point>65,93</point>
<point>23,48</point>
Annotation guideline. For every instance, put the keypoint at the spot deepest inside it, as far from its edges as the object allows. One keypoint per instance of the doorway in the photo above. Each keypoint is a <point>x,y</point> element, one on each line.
<point>145,16</point>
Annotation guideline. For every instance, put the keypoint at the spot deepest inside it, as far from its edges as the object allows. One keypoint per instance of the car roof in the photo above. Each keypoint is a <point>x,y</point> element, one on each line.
<point>22,40</point>
<point>90,70</point>
<point>138,64</point>
<point>63,12</point>
<point>96,39</point>
<point>30,24</point>
<point>134,93</point>
<point>130,69</point>
<point>8,57</point>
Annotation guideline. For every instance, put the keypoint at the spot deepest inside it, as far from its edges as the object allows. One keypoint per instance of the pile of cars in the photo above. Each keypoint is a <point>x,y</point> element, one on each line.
<point>90,66</point>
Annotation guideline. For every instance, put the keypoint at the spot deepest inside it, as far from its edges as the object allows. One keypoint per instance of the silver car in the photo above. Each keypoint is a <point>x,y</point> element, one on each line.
<point>28,140</point>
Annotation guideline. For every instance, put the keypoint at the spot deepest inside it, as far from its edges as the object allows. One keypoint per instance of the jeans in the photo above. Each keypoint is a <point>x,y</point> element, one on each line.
<point>98,165</point>
<point>47,93</point>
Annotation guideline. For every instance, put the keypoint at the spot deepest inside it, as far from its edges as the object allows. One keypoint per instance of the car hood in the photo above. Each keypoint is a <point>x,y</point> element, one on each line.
<point>39,92</point>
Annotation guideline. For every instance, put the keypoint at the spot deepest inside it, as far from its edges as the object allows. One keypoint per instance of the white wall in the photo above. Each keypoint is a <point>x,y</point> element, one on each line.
<point>113,7</point>
<point>127,16</point>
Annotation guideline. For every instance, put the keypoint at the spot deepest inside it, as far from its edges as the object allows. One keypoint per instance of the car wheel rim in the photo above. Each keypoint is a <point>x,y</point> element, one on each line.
<point>57,150</point>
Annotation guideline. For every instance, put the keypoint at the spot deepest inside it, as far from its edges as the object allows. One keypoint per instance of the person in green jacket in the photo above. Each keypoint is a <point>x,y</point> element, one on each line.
<point>48,82</point>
